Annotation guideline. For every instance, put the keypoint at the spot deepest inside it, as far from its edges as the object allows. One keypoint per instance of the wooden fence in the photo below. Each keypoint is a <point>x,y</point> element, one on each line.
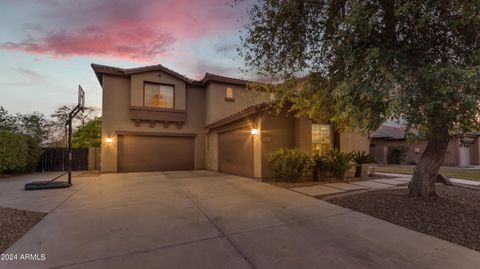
<point>56,159</point>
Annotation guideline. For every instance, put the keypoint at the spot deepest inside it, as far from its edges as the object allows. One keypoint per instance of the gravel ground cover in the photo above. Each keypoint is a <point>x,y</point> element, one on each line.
<point>14,223</point>
<point>453,216</point>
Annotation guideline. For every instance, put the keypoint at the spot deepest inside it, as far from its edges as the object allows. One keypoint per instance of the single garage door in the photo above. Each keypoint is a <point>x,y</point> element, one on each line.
<point>137,153</point>
<point>235,152</point>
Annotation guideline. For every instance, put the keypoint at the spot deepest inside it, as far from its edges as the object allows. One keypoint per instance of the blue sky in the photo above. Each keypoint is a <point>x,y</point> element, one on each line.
<point>47,46</point>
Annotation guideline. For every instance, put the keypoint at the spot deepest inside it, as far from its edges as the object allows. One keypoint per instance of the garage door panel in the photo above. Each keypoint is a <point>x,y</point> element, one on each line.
<point>155,153</point>
<point>236,152</point>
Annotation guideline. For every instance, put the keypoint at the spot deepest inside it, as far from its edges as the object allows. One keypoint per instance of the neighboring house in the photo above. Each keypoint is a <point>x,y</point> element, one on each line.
<point>462,150</point>
<point>154,119</point>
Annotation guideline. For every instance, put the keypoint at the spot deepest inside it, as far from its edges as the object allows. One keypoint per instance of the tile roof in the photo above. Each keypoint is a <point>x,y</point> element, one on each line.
<point>213,77</point>
<point>105,69</point>
<point>389,132</point>
<point>251,110</point>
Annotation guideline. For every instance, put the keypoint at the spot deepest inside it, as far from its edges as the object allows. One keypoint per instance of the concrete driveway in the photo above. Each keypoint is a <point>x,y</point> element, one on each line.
<point>204,219</point>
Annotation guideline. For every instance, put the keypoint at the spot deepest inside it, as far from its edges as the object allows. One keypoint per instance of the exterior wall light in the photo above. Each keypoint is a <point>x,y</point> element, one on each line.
<point>108,140</point>
<point>254,131</point>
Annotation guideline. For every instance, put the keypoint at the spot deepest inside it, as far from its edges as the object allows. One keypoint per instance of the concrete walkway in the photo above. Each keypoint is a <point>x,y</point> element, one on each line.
<point>391,180</point>
<point>454,180</point>
<point>340,188</point>
<point>208,220</point>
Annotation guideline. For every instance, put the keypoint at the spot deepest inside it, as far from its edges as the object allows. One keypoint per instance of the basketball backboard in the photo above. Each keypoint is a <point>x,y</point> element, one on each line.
<point>81,97</point>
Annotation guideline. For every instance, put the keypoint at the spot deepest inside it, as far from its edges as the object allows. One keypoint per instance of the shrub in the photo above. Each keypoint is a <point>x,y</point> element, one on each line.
<point>289,164</point>
<point>338,162</point>
<point>396,154</point>
<point>18,152</point>
<point>361,157</point>
<point>320,166</point>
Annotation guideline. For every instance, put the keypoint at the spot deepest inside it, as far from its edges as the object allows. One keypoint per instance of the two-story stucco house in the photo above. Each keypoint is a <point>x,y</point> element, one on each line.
<point>154,119</point>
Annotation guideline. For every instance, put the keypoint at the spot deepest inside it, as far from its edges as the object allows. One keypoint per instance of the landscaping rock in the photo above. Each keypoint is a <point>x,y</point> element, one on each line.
<point>14,223</point>
<point>453,216</point>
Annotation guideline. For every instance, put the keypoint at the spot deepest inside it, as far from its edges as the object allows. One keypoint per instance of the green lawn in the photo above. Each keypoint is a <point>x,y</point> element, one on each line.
<point>473,174</point>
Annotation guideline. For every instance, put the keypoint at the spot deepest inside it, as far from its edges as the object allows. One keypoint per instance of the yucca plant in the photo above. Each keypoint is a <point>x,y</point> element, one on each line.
<point>338,162</point>
<point>361,157</point>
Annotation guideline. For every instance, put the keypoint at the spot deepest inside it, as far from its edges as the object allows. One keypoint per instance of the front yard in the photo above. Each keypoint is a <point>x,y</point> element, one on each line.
<point>453,216</point>
<point>14,223</point>
<point>452,172</point>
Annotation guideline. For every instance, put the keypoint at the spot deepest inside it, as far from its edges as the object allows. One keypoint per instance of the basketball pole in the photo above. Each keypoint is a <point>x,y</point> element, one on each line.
<point>79,107</point>
<point>70,153</point>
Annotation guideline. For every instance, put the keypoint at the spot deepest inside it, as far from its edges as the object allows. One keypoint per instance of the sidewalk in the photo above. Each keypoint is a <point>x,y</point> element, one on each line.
<point>391,180</point>
<point>454,180</point>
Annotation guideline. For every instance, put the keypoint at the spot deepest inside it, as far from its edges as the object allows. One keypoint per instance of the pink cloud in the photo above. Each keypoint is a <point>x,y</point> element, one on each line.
<point>123,44</point>
<point>138,30</point>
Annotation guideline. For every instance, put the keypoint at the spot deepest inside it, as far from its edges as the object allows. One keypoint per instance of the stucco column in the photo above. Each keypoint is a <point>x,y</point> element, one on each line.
<point>108,157</point>
<point>303,134</point>
<point>257,149</point>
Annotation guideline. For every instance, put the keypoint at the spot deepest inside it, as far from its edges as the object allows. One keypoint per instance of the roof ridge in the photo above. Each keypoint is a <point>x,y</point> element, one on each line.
<point>128,71</point>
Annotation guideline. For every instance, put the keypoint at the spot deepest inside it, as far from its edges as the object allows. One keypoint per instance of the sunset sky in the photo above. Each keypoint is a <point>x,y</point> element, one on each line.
<point>47,46</point>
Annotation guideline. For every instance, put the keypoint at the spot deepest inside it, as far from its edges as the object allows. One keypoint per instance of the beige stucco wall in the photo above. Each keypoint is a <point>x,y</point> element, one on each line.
<point>211,154</point>
<point>277,131</point>
<point>353,140</point>
<point>116,118</point>
<point>303,134</point>
<point>115,111</point>
<point>137,81</point>
<point>216,106</point>
<point>257,148</point>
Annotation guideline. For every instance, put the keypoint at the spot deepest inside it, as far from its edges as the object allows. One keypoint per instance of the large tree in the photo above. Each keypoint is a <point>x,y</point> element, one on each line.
<point>35,125</point>
<point>362,62</point>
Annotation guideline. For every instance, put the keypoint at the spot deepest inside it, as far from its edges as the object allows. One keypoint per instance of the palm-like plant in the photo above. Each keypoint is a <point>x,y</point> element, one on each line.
<point>361,157</point>
<point>338,162</point>
<point>319,165</point>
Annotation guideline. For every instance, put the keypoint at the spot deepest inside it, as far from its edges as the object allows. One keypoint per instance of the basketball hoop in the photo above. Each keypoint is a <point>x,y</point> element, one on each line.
<point>52,184</point>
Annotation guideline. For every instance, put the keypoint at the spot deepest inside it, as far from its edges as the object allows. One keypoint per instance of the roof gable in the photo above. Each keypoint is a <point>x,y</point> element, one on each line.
<point>104,69</point>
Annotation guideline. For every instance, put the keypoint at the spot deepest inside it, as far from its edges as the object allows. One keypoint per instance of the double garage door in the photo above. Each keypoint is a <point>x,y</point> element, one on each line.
<point>235,152</point>
<point>142,153</point>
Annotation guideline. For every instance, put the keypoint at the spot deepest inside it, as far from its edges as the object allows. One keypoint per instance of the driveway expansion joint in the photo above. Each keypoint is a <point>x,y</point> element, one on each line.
<point>222,233</point>
<point>135,252</point>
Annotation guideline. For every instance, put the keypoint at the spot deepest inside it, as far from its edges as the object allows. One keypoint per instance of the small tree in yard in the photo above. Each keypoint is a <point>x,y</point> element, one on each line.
<point>88,135</point>
<point>360,158</point>
<point>363,62</point>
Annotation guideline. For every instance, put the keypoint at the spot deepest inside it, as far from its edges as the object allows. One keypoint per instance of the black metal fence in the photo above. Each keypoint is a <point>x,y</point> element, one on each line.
<point>56,159</point>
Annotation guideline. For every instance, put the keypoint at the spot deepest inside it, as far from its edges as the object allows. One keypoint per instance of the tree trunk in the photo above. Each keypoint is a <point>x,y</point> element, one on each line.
<point>358,170</point>
<point>426,171</point>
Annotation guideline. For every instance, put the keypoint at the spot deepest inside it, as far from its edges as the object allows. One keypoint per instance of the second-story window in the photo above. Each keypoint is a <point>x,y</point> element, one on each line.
<point>158,95</point>
<point>229,94</point>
